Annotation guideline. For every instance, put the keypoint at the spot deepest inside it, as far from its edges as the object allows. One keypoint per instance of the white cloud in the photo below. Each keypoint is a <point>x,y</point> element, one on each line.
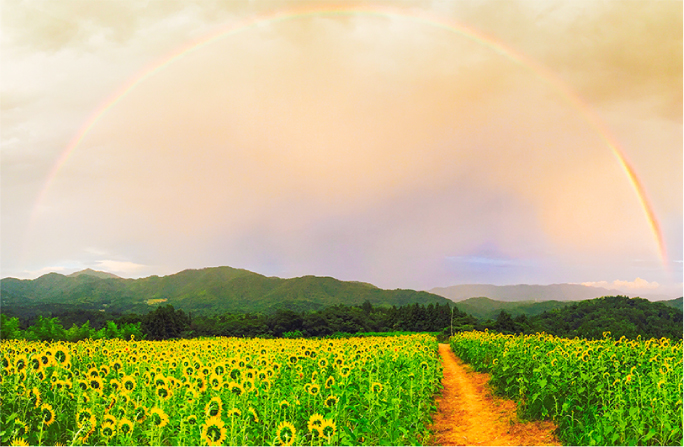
<point>637,284</point>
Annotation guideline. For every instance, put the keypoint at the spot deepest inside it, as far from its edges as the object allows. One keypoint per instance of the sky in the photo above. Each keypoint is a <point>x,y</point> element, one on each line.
<point>406,144</point>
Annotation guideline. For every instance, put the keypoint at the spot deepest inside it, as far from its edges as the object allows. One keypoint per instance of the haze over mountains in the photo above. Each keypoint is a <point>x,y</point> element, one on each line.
<point>525,292</point>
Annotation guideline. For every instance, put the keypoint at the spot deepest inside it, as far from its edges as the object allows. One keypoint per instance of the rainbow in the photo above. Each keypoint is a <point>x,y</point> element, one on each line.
<point>518,58</point>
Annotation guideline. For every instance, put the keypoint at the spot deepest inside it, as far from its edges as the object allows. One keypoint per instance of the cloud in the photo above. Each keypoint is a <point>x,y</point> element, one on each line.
<point>637,284</point>
<point>362,147</point>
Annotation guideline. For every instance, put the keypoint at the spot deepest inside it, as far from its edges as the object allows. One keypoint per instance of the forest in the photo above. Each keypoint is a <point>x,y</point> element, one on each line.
<point>622,316</point>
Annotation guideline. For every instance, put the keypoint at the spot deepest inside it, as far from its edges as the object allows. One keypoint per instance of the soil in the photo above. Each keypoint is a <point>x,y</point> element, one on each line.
<point>469,414</point>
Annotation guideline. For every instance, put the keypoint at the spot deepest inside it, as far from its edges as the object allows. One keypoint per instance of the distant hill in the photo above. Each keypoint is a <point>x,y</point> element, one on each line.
<point>206,291</point>
<point>522,292</point>
<point>485,308</point>
<point>618,314</point>
<point>676,303</point>
<point>95,273</point>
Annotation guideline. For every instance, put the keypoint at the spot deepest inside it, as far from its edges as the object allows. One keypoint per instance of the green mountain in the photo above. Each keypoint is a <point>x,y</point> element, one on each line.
<point>618,314</point>
<point>485,308</point>
<point>676,303</point>
<point>95,273</point>
<point>206,291</point>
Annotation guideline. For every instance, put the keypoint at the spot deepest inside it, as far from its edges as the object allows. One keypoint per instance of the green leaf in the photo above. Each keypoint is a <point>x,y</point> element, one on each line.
<point>651,433</point>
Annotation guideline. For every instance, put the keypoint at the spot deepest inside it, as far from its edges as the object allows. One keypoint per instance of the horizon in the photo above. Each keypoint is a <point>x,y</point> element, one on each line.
<point>404,144</point>
<point>661,295</point>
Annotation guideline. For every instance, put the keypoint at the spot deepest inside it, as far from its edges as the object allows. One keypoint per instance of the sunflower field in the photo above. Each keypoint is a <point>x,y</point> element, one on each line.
<point>219,391</point>
<point>600,392</point>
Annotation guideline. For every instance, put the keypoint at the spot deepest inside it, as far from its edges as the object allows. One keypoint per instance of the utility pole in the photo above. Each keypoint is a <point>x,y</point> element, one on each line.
<point>452,321</point>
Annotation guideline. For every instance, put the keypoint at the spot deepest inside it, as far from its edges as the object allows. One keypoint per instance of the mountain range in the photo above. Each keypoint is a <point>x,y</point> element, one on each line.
<point>219,290</point>
<point>206,291</point>
<point>525,292</point>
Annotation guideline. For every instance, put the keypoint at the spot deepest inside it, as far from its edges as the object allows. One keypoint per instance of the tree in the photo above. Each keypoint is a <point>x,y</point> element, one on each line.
<point>9,328</point>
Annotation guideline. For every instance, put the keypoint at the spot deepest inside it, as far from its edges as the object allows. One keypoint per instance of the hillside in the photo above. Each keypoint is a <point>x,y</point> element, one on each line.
<point>206,291</point>
<point>676,303</point>
<point>95,273</point>
<point>618,314</point>
<point>522,292</point>
<point>485,308</point>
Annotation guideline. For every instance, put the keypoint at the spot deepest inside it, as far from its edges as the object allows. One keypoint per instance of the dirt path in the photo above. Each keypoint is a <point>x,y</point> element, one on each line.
<point>468,413</point>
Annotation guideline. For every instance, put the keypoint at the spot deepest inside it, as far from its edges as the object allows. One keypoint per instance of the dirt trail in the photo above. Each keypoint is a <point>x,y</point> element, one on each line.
<point>468,413</point>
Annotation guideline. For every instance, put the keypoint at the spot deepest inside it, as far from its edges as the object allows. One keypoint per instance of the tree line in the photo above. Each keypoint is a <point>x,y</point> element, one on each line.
<point>620,315</point>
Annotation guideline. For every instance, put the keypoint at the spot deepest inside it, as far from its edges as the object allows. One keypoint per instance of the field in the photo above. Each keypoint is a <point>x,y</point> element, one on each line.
<point>360,391</point>
<point>604,392</point>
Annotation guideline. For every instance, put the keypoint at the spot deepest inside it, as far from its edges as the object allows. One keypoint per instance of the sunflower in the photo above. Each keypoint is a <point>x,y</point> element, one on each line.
<point>285,434</point>
<point>213,431</point>
<point>235,373</point>
<point>84,399</point>
<point>158,417</point>
<point>314,389</point>
<point>216,382</point>
<point>201,384</point>
<point>191,420</point>
<point>34,397</point>
<point>328,428</point>
<point>117,365</point>
<point>115,384</point>
<point>109,418</point>
<point>47,414</point>
<point>331,401</point>
<point>214,407</point>
<point>160,380</point>
<point>236,388</point>
<point>376,387</point>
<point>108,430</point>
<point>284,404</point>
<point>128,384</point>
<point>220,369</point>
<point>330,382</point>
<point>34,364</point>
<point>163,392</point>
<point>140,414</point>
<point>18,442</point>
<point>345,371</point>
<point>96,384</point>
<point>85,418</point>
<point>234,412</point>
<point>315,422</point>
<point>190,395</point>
<point>20,362</point>
<point>20,427</point>
<point>46,359</point>
<point>104,371</point>
<point>252,414</point>
<point>249,386</point>
<point>93,372</point>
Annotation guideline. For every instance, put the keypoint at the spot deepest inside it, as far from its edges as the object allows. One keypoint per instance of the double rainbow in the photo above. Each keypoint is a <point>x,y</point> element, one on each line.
<point>351,10</point>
